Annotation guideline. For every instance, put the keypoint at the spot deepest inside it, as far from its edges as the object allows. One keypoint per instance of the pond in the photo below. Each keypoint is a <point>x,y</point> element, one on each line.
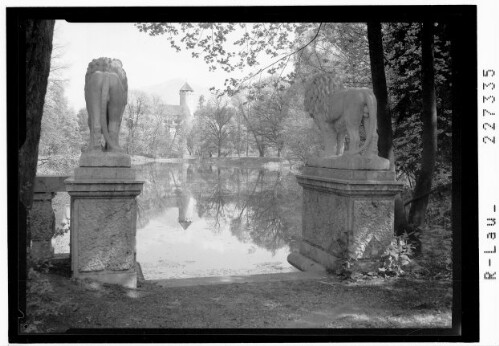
<point>216,218</point>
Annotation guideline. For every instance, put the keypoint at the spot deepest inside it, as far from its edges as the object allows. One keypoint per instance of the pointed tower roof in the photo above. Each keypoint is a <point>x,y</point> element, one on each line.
<point>185,224</point>
<point>186,87</point>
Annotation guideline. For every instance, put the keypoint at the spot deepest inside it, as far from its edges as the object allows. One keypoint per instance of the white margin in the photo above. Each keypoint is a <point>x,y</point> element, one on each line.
<point>488,57</point>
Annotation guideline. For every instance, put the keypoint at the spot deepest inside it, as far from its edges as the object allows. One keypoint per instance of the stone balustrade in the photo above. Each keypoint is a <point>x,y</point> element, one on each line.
<point>42,217</point>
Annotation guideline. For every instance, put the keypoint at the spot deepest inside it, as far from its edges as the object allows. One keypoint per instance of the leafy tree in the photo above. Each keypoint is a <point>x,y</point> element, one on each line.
<point>244,106</point>
<point>403,46</point>
<point>216,125</point>
<point>60,138</point>
<point>384,118</point>
<point>301,135</point>
<point>201,101</point>
<point>345,47</point>
<point>251,42</point>
<point>60,132</point>
<point>136,109</point>
<point>339,47</point>
<point>313,46</point>
<point>157,133</point>
<point>269,109</point>
<point>57,63</point>
<point>404,73</point>
<point>82,118</point>
<point>429,137</point>
<point>239,135</point>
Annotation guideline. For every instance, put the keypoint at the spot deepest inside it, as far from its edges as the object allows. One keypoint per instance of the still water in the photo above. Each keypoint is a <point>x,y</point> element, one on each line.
<point>198,220</point>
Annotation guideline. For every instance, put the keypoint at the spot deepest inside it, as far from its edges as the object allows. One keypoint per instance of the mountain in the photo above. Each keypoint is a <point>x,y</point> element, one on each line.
<point>169,90</point>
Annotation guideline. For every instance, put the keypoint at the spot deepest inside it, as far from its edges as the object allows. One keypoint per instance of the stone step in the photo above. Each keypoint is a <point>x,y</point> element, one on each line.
<point>221,280</point>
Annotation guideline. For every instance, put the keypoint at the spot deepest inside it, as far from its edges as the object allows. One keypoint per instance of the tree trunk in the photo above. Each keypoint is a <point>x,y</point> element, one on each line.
<point>38,51</point>
<point>429,136</point>
<point>385,142</point>
<point>259,145</point>
<point>385,135</point>
<point>261,150</point>
<point>247,143</point>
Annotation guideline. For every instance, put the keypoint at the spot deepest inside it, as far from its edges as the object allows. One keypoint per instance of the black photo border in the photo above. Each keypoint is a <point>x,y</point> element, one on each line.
<point>462,21</point>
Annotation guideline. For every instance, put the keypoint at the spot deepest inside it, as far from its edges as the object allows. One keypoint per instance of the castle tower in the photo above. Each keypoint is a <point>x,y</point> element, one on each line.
<point>185,104</point>
<point>185,99</point>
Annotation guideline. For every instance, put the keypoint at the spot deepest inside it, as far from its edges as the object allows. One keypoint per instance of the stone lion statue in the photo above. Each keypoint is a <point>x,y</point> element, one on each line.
<point>106,90</point>
<point>338,111</point>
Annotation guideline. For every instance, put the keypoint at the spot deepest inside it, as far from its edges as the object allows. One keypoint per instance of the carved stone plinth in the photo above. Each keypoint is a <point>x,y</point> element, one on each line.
<point>105,159</point>
<point>42,218</point>
<point>42,226</point>
<point>347,213</point>
<point>103,224</point>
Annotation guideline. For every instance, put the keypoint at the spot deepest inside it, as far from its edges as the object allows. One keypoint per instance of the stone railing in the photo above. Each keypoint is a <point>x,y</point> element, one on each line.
<point>42,215</point>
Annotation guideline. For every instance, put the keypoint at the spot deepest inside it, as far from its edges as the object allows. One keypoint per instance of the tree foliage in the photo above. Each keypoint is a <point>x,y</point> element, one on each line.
<point>341,48</point>
<point>429,134</point>
<point>61,138</point>
<point>84,129</point>
<point>301,135</point>
<point>263,103</point>
<point>133,118</point>
<point>403,55</point>
<point>215,126</point>
<point>268,102</point>
<point>248,43</point>
<point>148,127</point>
<point>60,131</point>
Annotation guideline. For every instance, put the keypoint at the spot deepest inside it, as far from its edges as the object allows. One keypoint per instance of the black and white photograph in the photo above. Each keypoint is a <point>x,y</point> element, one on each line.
<point>207,173</point>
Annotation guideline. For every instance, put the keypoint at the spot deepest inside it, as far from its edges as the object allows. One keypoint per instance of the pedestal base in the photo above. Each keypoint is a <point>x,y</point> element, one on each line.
<point>103,224</point>
<point>42,226</point>
<point>41,250</point>
<point>125,278</point>
<point>347,214</point>
<point>104,159</point>
<point>353,162</point>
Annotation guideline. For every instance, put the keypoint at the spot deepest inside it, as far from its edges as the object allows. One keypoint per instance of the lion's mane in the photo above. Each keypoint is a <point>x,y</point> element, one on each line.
<point>317,93</point>
<point>108,65</point>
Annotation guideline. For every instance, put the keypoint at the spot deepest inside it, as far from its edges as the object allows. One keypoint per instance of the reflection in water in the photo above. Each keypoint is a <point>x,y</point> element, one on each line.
<point>185,204</point>
<point>204,220</point>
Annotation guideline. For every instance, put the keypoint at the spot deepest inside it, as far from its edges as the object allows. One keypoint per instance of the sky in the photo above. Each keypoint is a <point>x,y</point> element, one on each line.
<point>147,60</point>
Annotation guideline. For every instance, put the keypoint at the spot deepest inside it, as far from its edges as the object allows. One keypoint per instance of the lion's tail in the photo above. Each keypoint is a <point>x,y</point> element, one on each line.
<point>103,112</point>
<point>371,104</point>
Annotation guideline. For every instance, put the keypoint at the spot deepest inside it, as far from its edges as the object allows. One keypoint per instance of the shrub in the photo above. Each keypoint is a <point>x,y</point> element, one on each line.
<point>397,256</point>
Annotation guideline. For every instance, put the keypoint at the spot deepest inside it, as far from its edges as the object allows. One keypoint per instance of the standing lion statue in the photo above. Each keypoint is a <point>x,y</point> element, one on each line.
<point>338,111</point>
<point>106,90</point>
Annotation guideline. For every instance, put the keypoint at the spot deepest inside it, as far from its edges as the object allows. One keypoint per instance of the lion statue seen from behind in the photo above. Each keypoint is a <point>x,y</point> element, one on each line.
<point>106,90</point>
<point>338,111</point>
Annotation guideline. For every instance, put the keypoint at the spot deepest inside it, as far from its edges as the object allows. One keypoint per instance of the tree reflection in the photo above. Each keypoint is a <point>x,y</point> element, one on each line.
<point>214,198</point>
<point>185,204</point>
<point>267,212</point>
<point>255,205</point>
<point>258,205</point>
<point>165,186</point>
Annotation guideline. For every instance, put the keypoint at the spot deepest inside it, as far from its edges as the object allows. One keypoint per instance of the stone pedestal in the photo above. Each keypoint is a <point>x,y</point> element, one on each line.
<point>42,218</point>
<point>348,212</point>
<point>103,220</point>
<point>42,226</point>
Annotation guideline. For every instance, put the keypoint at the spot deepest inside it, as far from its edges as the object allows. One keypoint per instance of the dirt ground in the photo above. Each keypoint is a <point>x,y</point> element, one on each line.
<point>320,303</point>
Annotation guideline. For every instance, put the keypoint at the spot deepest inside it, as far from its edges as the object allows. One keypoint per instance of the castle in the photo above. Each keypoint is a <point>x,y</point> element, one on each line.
<point>184,109</point>
<point>183,113</point>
